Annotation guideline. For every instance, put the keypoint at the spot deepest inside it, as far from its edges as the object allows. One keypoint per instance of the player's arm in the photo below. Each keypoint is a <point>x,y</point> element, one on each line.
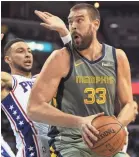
<point>124,90</point>
<point>6,84</point>
<point>53,22</point>
<point>55,68</point>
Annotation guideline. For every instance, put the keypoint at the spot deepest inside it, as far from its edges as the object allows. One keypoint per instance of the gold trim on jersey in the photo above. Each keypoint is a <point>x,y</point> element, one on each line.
<point>52,152</point>
<point>77,64</point>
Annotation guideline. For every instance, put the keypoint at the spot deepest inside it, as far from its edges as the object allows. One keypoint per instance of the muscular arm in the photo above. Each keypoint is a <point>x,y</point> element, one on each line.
<point>44,89</point>
<point>6,84</point>
<point>124,89</point>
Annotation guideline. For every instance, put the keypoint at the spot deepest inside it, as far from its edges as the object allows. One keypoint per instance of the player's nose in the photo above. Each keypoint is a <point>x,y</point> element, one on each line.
<point>27,54</point>
<point>73,26</point>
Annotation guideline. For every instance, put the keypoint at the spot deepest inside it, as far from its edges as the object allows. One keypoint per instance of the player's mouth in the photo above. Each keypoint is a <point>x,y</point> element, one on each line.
<point>28,62</point>
<point>77,38</point>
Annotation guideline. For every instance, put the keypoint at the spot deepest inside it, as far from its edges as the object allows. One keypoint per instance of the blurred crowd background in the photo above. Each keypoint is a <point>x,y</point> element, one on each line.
<point>119,28</point>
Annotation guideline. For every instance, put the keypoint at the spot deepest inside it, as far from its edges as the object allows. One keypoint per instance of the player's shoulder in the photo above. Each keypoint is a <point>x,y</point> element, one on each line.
<point>121,55</point>
<point>60,60</point>
<point>63,52</point>
<point>59,56</point>
<point>19,78</point>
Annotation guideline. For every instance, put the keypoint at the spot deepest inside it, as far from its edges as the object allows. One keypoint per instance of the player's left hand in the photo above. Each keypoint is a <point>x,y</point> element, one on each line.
<point>52,22</point>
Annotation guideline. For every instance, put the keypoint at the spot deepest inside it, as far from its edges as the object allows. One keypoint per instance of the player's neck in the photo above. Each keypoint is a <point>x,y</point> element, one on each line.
<point>21,73</point>
<point>94,51</point>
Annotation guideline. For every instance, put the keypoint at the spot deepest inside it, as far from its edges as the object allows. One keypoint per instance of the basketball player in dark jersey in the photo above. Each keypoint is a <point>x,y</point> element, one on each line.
<point>87,76</point>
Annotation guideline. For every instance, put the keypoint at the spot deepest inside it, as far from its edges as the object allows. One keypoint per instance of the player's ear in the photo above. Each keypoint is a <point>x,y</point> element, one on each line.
<point>7,59</point>
<point>96,24</point>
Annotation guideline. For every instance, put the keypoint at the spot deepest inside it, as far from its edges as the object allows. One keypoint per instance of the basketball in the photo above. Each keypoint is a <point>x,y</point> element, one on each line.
<point>111,138</point>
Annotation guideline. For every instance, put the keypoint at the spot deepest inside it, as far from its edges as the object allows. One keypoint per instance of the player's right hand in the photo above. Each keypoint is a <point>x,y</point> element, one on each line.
<point>52,22</point>
<point>89,132</point>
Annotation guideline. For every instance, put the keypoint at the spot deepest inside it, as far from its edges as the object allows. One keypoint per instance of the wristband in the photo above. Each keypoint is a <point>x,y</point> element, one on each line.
<point>66,39</point>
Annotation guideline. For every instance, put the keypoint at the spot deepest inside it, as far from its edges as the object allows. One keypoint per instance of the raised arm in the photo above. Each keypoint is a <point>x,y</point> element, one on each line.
<point>124,90</point>
<point>6,84</point>
<point>53,22</point>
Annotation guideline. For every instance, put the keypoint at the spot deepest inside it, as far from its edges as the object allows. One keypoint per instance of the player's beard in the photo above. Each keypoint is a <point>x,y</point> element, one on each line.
<point>85,42</point>
<point>21,68</point>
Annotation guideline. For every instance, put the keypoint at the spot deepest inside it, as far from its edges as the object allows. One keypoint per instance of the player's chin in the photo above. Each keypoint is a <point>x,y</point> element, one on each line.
<point>78,46</point>
<point>28,69</point>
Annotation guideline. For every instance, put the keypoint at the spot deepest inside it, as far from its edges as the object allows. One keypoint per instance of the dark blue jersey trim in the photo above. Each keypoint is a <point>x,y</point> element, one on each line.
<point>69,48</point>
<point>99,59</point>
<point>115,59</point>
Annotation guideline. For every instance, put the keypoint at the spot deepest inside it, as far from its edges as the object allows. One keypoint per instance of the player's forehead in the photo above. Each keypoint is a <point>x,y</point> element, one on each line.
<point>77,13</point>
<point>20,44</point>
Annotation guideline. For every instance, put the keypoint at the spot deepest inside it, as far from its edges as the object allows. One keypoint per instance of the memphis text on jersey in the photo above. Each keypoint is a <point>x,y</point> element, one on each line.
<point>95,79</point>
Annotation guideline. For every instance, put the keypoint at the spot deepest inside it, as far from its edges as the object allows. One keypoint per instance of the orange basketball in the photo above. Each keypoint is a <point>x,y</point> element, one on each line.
<point>111,138</point>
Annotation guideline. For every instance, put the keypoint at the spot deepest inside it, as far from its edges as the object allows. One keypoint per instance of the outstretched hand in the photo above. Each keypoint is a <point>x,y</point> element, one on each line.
<point>52,22</point>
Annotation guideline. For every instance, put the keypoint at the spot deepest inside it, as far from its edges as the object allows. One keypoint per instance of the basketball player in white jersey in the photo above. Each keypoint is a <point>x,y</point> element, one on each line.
<point>31,137</point>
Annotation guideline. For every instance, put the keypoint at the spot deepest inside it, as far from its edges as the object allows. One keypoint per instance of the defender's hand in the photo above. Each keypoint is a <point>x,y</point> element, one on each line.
<point>89,132</point>
<point>52,22</point>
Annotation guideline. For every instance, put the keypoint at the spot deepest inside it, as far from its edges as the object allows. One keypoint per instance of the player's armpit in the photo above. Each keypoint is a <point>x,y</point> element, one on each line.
<point>124,89</point>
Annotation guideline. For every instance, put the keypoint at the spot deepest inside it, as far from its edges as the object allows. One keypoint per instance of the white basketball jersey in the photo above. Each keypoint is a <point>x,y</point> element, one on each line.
<point>31,137</point>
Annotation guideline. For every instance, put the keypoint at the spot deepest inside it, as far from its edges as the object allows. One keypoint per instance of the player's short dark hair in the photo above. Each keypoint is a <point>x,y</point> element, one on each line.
<point>92,11</point>
<point>10,43</point>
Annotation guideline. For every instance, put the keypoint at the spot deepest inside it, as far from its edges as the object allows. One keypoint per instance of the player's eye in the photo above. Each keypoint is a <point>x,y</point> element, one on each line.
<point>29,51</point>
<point>20,51</point>
<point>79,20</point>
<point>70,22</point>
